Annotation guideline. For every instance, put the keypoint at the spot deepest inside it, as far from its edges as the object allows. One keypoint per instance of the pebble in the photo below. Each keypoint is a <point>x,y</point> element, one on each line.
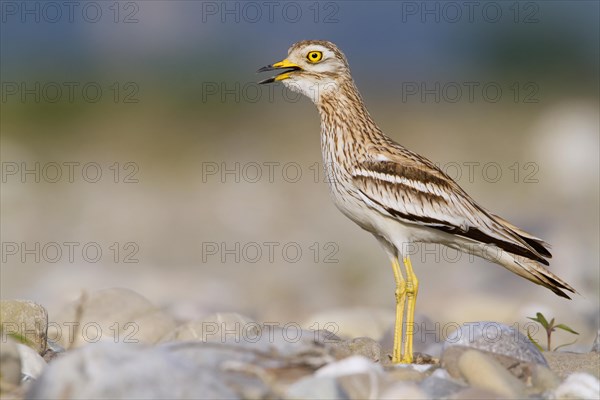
<point>114,315</point>
<point>482,371</point>
<point>26,322</point>
<point>229,355</point>
<point>440,388</point>
<point>578,386</point>
<point>544,380</point>
<point>313,387</point>
<point>349,366</point>
<point>10,365</point>
<point>32,364</point>
<point>109,370</point>
<point>496,338</point>
<point>404,390</point>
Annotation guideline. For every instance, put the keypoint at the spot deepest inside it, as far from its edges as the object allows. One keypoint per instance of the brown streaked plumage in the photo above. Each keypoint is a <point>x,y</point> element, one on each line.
<point>397,195</point>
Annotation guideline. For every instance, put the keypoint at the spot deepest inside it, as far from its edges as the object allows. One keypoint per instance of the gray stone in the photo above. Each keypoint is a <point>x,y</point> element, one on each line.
<point>313,387</point>
<point>362,386</point>
<point>349,366</point>
<point>596,345</point>
<point>10,366</point>
<point>578,386</point>
<point>440,388</point>
<point>24,321</point>
<point>482,371</point>
<point>565,363</point>
<point>520,369</point>
<point>114,315</point>
<point>108,370</point>
<point>495,338</point>
<point>32,364</point>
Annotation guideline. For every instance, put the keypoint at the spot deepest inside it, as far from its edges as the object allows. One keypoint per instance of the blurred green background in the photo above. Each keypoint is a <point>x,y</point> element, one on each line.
<point>179,107</point>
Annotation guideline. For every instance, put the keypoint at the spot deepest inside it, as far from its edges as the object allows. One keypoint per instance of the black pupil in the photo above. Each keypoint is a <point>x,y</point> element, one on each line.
<point>314,55</point>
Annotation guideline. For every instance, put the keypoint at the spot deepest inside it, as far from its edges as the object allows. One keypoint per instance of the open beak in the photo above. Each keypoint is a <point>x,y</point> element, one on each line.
<point>285,65</point>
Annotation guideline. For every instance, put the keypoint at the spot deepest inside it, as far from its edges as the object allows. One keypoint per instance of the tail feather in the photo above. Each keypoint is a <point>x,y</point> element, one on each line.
<point>540,275</point>
<point>538,244</point>
<point>528,269</point>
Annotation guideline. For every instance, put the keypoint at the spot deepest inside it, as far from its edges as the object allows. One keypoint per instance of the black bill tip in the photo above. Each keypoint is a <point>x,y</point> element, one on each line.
<point>268,80</point>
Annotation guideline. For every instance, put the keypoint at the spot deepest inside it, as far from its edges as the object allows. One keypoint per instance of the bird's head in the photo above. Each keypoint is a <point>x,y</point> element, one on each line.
<point>314,68</point>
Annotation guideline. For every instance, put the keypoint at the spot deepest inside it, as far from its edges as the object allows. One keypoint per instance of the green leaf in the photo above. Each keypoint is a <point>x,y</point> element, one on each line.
<point>566,328</point>
<point>532,340</point>
<point>563,345</point>
<point>542,320</point>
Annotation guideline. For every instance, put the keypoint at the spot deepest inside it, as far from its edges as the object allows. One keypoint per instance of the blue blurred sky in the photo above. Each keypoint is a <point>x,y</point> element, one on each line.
<point>381,38</point>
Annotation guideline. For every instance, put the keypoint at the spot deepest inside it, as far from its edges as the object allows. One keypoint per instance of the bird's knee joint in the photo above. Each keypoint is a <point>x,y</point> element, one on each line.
<point>412,288</point>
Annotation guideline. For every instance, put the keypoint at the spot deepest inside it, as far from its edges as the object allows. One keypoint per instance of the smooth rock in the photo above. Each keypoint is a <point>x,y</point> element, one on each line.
<point>520,369</point>
<point>313,387</point>
<point>32,364</point>
<point>362,386</point>
<point>440,388</point>
<point>543,379</point>
<point>565,363</point>
<point>10,365</point>
<point>112,315</point>
<point>353,322</point>
<point>349,366</point>
<point>26,322</point>
<point>402,372</point>
<point>403,390</point>
<point>482,371</point>
<point>496,338</point>
<point>219,327</point>
<point>109,370</point>
<point>578,386</point>
<point>362,346</point>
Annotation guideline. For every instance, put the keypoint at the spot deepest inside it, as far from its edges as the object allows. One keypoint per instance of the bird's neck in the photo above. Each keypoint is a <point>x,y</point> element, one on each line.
<point>343,113</point>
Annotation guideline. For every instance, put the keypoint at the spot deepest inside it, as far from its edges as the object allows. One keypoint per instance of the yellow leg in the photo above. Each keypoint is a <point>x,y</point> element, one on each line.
<point>400,300</point>
<point>412,288</point>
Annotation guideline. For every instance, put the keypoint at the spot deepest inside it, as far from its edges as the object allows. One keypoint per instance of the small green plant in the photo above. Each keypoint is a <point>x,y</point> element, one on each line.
<point>549,327</point>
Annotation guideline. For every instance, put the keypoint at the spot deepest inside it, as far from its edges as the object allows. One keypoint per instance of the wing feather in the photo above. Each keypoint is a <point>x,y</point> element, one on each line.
<point>409,187</point>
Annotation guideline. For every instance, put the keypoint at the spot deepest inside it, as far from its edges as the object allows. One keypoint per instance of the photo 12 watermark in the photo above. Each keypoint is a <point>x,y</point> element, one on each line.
<point>454,12</point>
<point>69,92</point>
<point>252,12</point>
<point>270,252</point>
<point>53,12</point>
<point>69,172</point>
<point>70,252</point>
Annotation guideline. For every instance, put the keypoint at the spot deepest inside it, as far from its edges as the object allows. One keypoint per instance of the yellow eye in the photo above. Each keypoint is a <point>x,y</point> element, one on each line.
<point>314,56</point>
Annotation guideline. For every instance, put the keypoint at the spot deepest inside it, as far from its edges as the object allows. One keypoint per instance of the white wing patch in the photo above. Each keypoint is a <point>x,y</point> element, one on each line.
<point>425,187</point>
